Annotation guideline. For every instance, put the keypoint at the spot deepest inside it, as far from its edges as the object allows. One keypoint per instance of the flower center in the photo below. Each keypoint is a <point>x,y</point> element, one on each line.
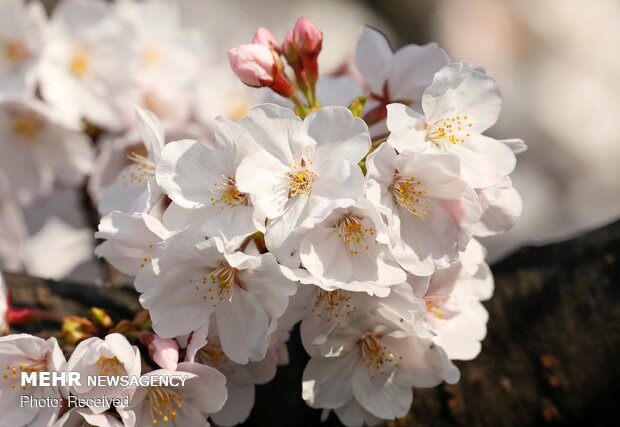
<point>164,404</point>
<point>452,130</point>
<point>407,192</point>
<point>79,64</point>
<point>12,374</point>
<point>152,56</point>
<point>434,303</point>
<point>353,233</point>
<point>238,109</point>
<point>228,194</point>
<point>331,304</point>
<point>219,284</point>
<point>15,50</point>
<point>27,125</point>
<point>141,170</point>
<point>213,355</point>
<point>110,367</point>
<point>376,355</point>
<point>300,179</point>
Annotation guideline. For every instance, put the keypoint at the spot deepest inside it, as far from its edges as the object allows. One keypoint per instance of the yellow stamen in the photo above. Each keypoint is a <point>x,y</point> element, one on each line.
<point>79,64</point>
<point>300,179</point>
<point>219,284</point>
<point>376,355</point>
<point>163,402</point>
<point>407,193</point>
<point>15,50</point>
<point>27,125</point>
<point>329,305</point>
<point>449,131</point>
<point>354,233</point>
<point>226,194</point>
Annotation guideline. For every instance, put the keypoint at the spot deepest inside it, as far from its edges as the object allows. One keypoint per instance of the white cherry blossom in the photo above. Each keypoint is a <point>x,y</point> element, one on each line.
<point>321,311</point>
<point>90,58</point>
<point>452,297</point>
<point>111,357</point>
<point>502,205</point>
<point>194,279</point>
<point>170,59</point>
<point>22,33</point>
<point>37,149</point>
<point>400,76</point>
<point>430,209</point>
<point>203,393</point>
<point>135,189</point>
<point>349,249</point>
<point>304,169</point>
<point>197,177</point>
<point>376,364</point>
<point>460,104</point>
<point>130,240</point>
<point>240,380</point>
<point>23,353</point>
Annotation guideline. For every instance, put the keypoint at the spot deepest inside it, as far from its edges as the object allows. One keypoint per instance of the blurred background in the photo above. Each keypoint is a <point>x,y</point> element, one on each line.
<point>556,62</point>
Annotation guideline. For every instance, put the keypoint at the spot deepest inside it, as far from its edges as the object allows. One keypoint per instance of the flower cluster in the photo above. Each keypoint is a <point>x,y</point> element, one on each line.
<point>349,203</point>
<point>306,214</point>
<point>67,85</point>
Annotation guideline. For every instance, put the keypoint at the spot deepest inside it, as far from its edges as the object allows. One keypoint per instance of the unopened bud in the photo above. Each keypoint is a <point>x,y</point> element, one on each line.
<point>253,64</point>
<point>307,37</point>
<point>289,50</point>
<point>265,37</point>
<point>163,351</point>
<point>256,66</point>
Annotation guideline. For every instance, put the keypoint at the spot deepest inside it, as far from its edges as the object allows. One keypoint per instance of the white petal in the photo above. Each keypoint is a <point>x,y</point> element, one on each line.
<point>57,249</point>
<point>373,55</point>
<point>237,407</point>
<point>207,392</point>
<point>243,326</point>
<point>406,127</point>
<point>458,90</point>
<point>188,171</point>
<point>484,161</point>
<point>501,215</point>
<point>383,395</point>
<point>274,128</point>
<point>339,181</point>
<point>338,134</point>
<point>327,380</point>
<point>269,188</point>
<point>412,71</point>
<point>151,131</point>
<point>516,145</point>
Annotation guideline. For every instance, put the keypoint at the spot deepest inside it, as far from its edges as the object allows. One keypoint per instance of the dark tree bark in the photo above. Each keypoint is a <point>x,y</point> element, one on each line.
<point>551,357</point>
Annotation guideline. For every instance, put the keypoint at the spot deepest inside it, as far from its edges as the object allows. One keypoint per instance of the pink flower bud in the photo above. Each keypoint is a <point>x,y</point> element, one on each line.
<point>265,37</point>
<point>256,66</point>
<point>163,351</point>
<point>253,64</point>
<point>307,36</point>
